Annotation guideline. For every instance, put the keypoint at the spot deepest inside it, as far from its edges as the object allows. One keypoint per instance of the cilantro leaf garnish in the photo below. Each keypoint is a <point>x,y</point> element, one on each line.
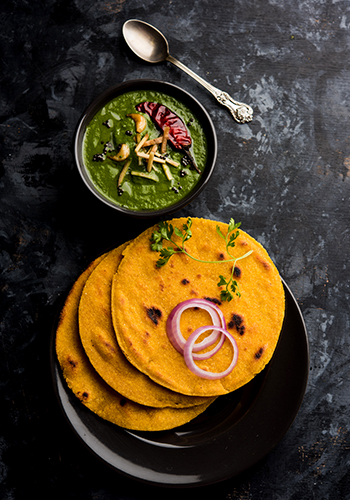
<point>165,233</point>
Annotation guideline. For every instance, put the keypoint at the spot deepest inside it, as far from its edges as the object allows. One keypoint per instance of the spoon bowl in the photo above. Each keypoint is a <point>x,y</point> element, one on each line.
<point>150,45</point>
<point>145,41</point>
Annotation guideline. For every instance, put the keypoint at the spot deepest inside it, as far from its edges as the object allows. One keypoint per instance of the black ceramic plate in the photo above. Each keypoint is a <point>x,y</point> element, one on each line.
<point>231,436</point>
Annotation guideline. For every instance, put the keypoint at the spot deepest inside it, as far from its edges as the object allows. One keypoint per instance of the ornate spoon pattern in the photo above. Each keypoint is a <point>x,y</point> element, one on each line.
<point>149,44</point>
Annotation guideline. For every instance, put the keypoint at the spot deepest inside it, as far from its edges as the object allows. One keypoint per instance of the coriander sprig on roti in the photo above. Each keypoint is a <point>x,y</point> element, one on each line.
<point>166,232</point>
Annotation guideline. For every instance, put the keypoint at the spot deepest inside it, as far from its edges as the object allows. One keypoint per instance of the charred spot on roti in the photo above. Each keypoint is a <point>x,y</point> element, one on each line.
<point>265,264</point>
<point>259,353</point>
<point>221,256</point>
<point>83,396</point>
<point>185,281</point>
<point>72,362</point>
<point>107,344</point>
<point>237,272</point>
<point>237,323</point>
<point>154,314</point>
<point>146,337</point>
<point>214,300</point>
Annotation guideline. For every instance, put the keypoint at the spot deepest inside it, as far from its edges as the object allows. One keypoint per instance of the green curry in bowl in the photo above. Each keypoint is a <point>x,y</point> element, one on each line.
<point>148,148</point>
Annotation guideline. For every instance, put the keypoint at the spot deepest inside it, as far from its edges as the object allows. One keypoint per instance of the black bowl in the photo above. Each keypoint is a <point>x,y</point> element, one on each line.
<point>171,90</point>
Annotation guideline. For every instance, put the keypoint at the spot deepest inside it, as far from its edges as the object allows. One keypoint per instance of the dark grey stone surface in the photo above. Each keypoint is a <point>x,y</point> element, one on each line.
<point>286,176</point>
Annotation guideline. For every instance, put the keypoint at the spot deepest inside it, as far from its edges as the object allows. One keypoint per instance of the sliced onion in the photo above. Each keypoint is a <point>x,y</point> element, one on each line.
<point>189,356</point>
<point>174,331</point>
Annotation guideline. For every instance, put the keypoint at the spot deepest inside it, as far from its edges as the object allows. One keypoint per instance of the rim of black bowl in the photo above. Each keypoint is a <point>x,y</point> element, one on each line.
<point>160,86</point>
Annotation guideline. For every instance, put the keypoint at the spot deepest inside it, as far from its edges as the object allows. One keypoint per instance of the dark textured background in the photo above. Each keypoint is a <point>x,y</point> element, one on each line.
<point>286,176</point>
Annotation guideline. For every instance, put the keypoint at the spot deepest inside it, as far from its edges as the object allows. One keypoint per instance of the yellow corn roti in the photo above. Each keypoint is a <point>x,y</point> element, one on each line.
<point>91,389</point>
<point>100,343</point>
<point>144,295</point>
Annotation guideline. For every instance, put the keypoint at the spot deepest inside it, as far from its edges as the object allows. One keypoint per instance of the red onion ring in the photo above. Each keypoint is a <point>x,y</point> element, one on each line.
<point>174,331</point>
<point>189,357</point>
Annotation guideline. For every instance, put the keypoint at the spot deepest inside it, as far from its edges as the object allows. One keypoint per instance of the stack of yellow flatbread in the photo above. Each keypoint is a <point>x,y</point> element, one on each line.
<point>112,342</point>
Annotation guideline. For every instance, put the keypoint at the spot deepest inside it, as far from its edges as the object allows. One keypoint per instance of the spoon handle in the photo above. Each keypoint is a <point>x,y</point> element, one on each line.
<point>241,112</point>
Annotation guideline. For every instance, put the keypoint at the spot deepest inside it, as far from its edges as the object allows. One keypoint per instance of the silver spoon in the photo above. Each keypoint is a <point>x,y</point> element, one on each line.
<point>149,44</point>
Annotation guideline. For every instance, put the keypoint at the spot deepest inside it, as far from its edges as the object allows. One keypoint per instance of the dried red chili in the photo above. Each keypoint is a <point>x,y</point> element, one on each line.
<point>164,117</point>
